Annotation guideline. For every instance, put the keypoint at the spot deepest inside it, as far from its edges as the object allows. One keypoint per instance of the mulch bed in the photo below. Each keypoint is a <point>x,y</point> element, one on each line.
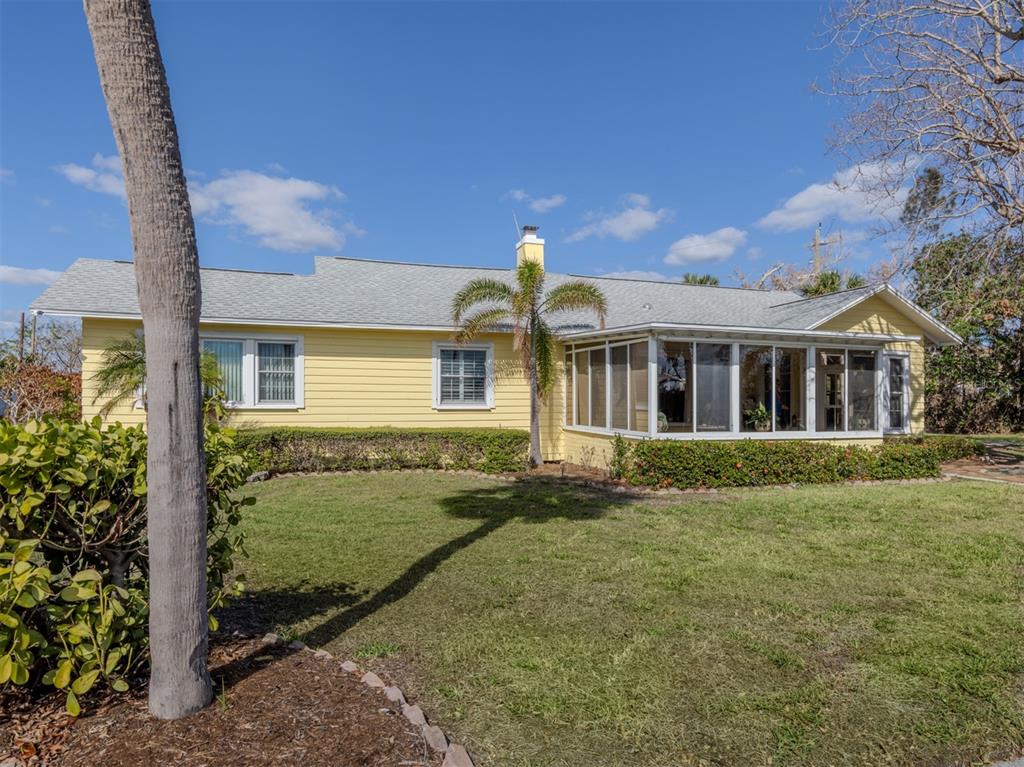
<point>273,706</point>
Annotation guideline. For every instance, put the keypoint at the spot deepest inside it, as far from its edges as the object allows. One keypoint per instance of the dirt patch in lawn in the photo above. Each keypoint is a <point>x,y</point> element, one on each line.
<point>273,706</point>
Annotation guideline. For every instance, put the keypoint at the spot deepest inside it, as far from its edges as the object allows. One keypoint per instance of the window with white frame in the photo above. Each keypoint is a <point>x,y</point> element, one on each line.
<point>258,371</point>
<point>463,376</point>
<point>897,392</point>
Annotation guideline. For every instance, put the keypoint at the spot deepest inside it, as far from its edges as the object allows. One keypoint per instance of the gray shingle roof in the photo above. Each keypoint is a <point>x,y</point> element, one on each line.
<point>348,291</point>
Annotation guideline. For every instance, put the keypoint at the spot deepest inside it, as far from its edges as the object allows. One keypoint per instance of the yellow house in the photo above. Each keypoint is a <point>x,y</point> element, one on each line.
<point>370,343</point>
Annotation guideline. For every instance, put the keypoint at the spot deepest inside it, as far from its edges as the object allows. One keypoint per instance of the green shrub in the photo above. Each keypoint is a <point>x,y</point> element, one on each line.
<point>618,465</point>
<point>949,447</point>
<point>278,450</point>
<point>697,463</point>
<point>73,589</point>
<point>903,460</point>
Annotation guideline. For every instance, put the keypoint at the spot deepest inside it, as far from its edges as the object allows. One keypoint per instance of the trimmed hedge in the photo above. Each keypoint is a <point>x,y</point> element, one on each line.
<point>684,464</point>
<point>950,447</point>
<point>278,450</point>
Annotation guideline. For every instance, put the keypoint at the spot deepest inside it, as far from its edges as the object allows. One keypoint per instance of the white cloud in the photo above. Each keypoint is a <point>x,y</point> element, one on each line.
<point>635,219</point>
<point>796,170</point>
<point>289,214</point>
<point>755,252</point>
<point>716,246</point>
<point>104,176</point>
<point>10,319</point>
<point>537,204</point>
<point>639,274</point>
<point>544,204</point>
<point>6,176</point>
<point>277,211</point>
<point>18,275</point>
<point>853,195</point>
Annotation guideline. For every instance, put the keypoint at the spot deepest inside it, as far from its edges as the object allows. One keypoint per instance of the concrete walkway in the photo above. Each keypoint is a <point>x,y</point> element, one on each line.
<point>1004,463</point>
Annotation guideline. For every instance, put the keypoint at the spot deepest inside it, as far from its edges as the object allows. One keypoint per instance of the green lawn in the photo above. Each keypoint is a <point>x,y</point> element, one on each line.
<point>543,625</point>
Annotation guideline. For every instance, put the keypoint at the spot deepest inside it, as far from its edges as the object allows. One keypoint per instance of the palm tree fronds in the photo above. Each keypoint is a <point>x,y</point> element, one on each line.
<point>577,296</point>
<point>484,290</point>
<point>530,279</point>
<point>544,342</point>
<point>480,322</point>
<point>121,373</point>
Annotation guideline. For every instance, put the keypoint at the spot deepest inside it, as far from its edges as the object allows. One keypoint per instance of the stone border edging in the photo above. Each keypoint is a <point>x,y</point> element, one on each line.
<point>433,736</point>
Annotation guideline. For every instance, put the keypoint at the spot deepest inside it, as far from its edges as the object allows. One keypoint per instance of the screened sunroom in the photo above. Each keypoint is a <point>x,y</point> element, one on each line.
<point>676,385</point>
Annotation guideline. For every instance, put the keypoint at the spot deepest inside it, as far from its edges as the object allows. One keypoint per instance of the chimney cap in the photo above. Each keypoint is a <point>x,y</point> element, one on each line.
<point>530,229</point>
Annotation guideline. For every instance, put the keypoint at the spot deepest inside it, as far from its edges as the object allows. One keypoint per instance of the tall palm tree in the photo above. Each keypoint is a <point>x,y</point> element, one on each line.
<point>487,304</point>
<point>138,100</point>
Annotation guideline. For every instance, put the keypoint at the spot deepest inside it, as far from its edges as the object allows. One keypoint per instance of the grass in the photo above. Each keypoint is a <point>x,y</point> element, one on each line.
<point>1015,438</point>
<point>546,625</point>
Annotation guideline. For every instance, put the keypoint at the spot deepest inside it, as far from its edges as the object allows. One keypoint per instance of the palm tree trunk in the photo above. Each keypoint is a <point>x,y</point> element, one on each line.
<point>535,456</point>
<point>167,271</point>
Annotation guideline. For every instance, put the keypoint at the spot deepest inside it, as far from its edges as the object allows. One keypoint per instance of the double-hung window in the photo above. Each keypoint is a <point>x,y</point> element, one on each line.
<point>258,372</point>
<point>463,376</point>
<point>275,371</point>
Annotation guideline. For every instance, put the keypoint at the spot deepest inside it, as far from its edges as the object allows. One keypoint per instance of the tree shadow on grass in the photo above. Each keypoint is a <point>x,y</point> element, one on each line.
<point>529,500</point>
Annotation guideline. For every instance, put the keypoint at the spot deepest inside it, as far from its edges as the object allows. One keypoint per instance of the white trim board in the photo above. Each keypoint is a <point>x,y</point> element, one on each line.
<point>886,291</point>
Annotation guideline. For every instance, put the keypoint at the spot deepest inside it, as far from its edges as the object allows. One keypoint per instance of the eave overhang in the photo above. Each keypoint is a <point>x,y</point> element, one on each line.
<point>735,333</point>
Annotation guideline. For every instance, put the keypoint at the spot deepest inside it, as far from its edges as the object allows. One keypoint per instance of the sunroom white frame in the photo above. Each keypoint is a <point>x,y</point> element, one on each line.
<point>734,432</point>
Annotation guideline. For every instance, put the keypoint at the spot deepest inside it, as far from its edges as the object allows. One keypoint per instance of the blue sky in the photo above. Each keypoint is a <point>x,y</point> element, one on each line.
<point>641,138</point>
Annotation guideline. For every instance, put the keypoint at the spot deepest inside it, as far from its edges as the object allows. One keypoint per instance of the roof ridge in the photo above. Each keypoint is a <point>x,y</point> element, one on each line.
<point>833,293</point>
<point>413,263</point>
<point>201,268</point>
<point>674,282</point>
<point>475,268</point>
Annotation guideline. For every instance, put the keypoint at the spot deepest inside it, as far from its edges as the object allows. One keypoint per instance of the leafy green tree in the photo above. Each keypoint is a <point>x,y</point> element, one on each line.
<point>122,375</point>
<point>979,386</point>
<point>487,304</point>
<point>692,278</point>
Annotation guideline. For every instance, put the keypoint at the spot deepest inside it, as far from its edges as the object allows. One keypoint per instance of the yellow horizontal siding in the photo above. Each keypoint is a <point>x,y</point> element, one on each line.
<point>874,315</point>
<point>358,378</point>
<point>595,450</point>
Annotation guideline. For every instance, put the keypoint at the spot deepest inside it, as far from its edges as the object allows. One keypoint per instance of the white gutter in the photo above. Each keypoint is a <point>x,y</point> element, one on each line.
<point>267,323</point>
<point>737,330</point>
<point>581,334</point>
